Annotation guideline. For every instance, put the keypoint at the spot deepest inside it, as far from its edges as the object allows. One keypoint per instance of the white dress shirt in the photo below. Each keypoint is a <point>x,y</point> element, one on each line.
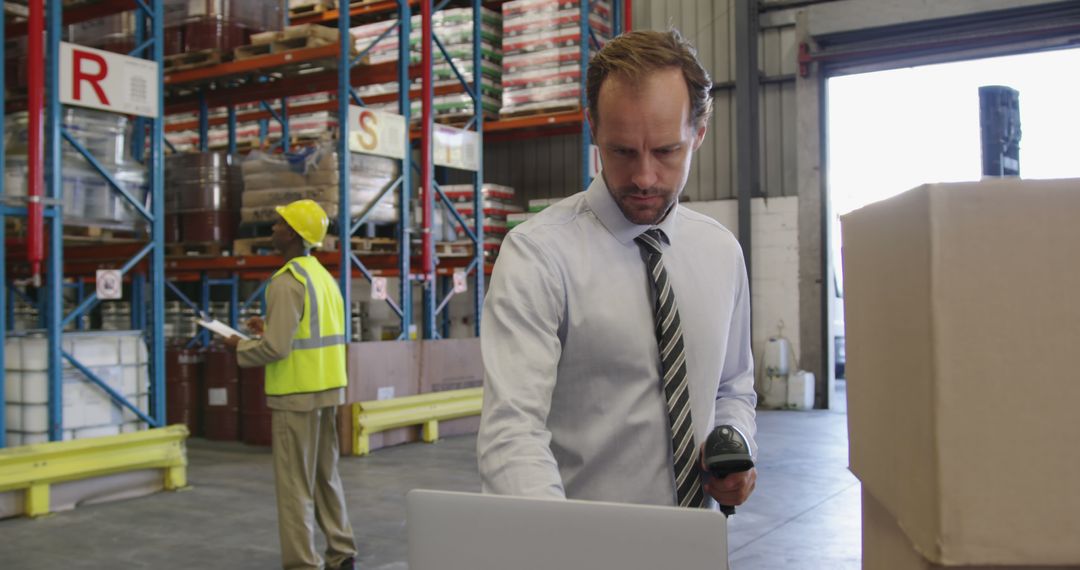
<point>573,405</point>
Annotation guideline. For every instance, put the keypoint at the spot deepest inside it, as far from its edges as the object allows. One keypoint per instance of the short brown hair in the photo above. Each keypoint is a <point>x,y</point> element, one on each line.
<point>640,52</point>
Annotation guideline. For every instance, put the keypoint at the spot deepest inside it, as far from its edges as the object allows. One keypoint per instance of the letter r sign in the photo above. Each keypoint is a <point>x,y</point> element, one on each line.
<point>82,62</point>
<point>108,81</point>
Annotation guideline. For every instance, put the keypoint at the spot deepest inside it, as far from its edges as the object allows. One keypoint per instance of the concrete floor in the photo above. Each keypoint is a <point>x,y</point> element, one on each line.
<point>804,513</point>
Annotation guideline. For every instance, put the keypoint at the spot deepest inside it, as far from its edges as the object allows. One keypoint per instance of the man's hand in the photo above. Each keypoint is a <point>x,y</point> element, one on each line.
<point>732,490</point>
<point>232,341</point>
<point>255,325</point>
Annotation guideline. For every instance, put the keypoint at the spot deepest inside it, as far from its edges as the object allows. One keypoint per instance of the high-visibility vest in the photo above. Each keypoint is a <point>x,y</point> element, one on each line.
<point>316,361</point>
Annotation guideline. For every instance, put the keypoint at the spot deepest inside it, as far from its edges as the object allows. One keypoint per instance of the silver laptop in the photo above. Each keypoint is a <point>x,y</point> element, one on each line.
<point>469,531</point>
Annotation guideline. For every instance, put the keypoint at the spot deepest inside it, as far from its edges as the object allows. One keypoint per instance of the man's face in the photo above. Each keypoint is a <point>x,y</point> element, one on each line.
<point>282,235</point>
<point>646,141</point>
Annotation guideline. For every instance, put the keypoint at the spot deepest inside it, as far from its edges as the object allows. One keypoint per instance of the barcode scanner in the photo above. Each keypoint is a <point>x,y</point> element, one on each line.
<point>726,451</point>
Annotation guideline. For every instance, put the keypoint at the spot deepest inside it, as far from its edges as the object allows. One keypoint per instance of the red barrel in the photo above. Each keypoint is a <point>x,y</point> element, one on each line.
<point>209,226</point>
<point>172,228</point>
<point>254,415</point>
<point>221,416</point>
<point>183,376</point>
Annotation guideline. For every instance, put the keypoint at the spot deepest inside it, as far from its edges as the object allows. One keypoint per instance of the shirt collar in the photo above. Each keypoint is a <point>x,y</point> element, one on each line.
<point>599,200</point>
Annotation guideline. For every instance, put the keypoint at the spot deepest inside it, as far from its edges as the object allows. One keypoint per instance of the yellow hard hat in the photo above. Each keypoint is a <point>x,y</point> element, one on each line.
<point>308,219</point>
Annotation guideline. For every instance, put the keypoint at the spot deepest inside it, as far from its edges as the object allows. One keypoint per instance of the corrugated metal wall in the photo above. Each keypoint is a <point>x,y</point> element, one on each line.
<point>550,167</point>
<point>547,167</point>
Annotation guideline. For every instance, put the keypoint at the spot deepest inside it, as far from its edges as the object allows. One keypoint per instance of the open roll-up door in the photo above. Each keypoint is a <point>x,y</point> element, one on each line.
<point>857,36</point>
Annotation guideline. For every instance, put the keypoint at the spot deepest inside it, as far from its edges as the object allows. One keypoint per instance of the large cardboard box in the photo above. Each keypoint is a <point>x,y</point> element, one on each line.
<point>886,547</point>
<point>963,324</point>
<point>452,364</point>
<point>380,371</point>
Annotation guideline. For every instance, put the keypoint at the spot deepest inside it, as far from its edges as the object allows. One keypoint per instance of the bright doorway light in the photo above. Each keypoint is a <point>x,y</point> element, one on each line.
<point>891,131</point>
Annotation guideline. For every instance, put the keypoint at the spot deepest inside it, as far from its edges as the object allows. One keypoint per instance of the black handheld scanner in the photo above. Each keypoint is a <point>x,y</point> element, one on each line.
<point>726,451</point>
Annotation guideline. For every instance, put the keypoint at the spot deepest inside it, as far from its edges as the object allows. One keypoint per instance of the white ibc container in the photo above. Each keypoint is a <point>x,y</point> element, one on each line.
<point>35,387</point>
<point>96,414</point>
<point>132,349</point>
<point>35,437</point>
<point>14,439</point>
<point>13,353</point>
<point>33,353</point>
<point>13,417</point>
<point>97,431</point>
<point>74,416</point>
<point>132,427</point>
<point>13,387</point>
<point>35,418</point>
<point>94,348</point>
<point>142,402</point>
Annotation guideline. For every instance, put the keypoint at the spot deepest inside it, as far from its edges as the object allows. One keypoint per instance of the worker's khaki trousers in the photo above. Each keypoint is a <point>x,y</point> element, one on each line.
<point>305,448</point>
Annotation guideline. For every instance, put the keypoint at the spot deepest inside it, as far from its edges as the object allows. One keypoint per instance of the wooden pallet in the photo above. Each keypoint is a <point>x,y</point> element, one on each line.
<point>192,60</point>
<point>250,51</point>
<point>299,43</point>
<point>309,31</point>
<point>253,246</point>
<point>265,246</point>
<point>374,246</point>
<point>263,38</point>
<point>95,234</point>
<point>454,248</point>
<point>308,10</point>
<point>206,248</point>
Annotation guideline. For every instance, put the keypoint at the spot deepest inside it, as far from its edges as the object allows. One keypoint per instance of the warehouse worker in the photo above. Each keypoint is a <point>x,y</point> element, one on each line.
<point>303,348</point>
<point>617,318</point>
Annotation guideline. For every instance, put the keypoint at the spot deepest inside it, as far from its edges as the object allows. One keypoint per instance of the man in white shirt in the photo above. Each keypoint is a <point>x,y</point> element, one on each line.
<point>578,344</point>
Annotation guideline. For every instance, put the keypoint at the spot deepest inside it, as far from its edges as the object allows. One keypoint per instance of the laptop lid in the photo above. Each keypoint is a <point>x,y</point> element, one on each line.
<point>469,531</point>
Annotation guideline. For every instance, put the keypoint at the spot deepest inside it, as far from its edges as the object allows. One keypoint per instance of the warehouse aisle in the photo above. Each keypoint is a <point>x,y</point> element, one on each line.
<point>804,514</point>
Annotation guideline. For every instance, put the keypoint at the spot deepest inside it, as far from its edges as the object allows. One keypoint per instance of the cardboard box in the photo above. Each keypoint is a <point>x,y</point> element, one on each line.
<point>378,371</point>
<point>963,320</point>
<point>452,364</point>
<point>886,546</point>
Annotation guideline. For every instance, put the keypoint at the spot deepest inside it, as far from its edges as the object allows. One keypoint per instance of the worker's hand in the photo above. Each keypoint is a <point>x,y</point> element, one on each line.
<point>732,490</point>
<point>232,341</point>
<point>255,325</point>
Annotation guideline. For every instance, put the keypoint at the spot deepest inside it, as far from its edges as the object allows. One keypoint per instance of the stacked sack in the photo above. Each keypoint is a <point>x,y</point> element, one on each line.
<point>542,53</point>
<point>454,28</point>
<point>497,203</point>
<point>312,173</point>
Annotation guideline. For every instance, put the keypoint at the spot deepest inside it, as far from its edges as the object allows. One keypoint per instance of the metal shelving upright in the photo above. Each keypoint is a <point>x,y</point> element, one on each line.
<point>344,76</point>
<point>431,193</point>
<point>3,248</point>
<point>44,211</point>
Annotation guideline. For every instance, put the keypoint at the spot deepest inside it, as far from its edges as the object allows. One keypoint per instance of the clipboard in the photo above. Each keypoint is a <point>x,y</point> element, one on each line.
<point>219,328</point>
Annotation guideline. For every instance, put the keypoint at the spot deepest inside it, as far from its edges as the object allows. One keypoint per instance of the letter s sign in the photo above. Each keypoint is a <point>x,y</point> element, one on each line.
<point>368,137</point>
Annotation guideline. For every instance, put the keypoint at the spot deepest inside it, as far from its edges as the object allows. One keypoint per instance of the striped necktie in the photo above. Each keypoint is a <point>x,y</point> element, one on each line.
<point>673,368</point>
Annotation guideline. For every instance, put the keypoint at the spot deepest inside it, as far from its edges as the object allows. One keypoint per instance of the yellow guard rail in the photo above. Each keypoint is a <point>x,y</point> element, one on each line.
<point>36,467</point>
<point>426,410</point>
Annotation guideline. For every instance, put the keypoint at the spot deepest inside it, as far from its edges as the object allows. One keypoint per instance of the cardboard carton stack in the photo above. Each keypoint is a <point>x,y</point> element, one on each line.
<point>542,46</point>
<point>962,327</point>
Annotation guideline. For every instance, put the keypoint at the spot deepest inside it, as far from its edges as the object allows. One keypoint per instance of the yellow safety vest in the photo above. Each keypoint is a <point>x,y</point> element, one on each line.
<point>317,359</point>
